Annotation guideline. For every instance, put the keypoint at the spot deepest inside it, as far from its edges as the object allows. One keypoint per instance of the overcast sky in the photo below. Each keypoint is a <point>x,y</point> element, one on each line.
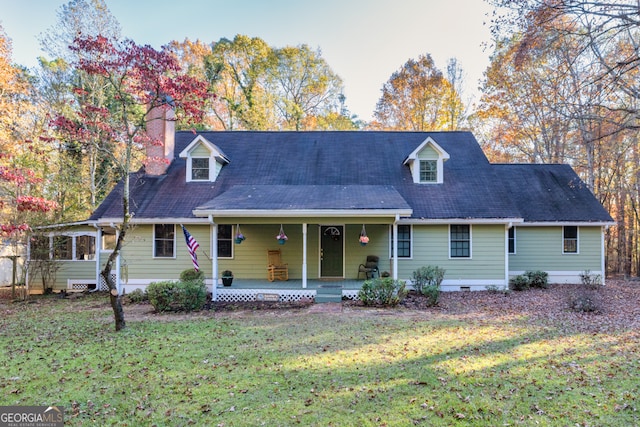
<point>364,41</point>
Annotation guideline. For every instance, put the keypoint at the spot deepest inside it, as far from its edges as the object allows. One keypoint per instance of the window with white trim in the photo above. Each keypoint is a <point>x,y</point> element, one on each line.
<point>63,247</point>
<point>225,241</point>
<point>460,241</point>
<point>164,240</point>
<point>512,240</point>
<point>570,239</point>
<point>404,241</point>
<point>85,248</point>
<point>199,168</point>
<point>428,170</point>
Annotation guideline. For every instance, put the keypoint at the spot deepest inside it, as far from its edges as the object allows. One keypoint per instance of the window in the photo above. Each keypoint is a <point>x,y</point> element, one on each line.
<point>63,247</point>
<point>108,240</point>
<point>512,240</point>
<point>164,240</point>
<point>570,239</point>
<point>85,247</point>
<point>460,241</point>
<point>404,241</point>
<point>40,248</point>
<point>199,169</point>
<point>428,170</point>
<point>225,246</point>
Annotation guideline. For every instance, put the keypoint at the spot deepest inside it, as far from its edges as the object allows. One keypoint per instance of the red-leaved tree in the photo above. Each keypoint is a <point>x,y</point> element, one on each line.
<point>138,79</point>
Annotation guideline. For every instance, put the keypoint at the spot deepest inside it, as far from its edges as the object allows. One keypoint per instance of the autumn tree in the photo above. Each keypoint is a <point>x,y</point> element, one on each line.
<point>574,65</point>
<point>260,87</point>
<point>605,32</point>
<point>418,97</point>
<point>237,70</point>
<point>141,80</point>
<point>84,172</point>
<point>22,193</point>
<point>303,87</point>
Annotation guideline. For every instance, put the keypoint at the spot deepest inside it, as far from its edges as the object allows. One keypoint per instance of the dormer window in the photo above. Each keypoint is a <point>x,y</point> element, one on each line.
<point>199,169</point>
<point>204,160</point>
<point>428,170</point>
<point>427,163</point>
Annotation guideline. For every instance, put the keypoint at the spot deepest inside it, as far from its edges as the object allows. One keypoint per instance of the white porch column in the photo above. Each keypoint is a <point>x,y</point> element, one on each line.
<point>98,252</point>
<point>304,255</point>
<point>602,255</point>
<point>395,249</point>
<point>506,255</point>
<point>214,259</point>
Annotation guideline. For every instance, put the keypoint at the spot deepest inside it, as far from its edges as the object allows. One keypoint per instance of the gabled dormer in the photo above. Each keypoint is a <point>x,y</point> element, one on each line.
<point>204,160</point>
<point>426,163</point>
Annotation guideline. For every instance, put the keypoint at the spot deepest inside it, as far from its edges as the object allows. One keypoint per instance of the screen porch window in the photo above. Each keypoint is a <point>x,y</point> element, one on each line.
<point>199,169</point>
<point>570,239</point>
<point>85,248</point>
<point>460,241</point>
<point>40,247</point>
<point>428,170</point>
<point>63,247</point>
<point>164,240</point>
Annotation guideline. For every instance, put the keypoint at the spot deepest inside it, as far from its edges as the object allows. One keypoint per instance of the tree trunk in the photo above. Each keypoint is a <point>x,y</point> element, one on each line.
<point>115,297</point>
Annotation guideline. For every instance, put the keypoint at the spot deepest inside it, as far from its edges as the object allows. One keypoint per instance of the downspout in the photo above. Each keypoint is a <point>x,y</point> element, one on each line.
<point>395,247</point>
<point>27,262</point>
<point>506,255</point>
<point>214,259</point>
<point>602,254</point>
<point>304,255</point>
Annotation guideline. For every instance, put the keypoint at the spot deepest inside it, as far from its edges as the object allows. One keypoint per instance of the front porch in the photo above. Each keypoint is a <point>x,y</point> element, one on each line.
<point>243,290</point>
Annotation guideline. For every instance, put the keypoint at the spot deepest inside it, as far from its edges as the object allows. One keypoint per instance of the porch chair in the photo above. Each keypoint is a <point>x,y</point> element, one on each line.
<point>275,268</point>
<point>369,268</point>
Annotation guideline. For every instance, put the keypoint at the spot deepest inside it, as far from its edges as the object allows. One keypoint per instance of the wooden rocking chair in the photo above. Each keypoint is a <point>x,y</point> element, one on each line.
<point>275,268</point>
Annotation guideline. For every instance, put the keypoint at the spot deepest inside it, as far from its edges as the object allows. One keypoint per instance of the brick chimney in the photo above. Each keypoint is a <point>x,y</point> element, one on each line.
<point>161,130</point>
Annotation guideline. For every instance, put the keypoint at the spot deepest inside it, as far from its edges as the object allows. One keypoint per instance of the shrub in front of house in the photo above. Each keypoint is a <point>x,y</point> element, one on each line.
<point>382,291</point>
<point>590,280</point>
<point>172,295</point>
<point>538,279</point>
<point>137,296</point>
<point>192,295</point>
<point>162,295</point>
<point>191,274</point>
<point>427,280</point>
<point>519,283</point>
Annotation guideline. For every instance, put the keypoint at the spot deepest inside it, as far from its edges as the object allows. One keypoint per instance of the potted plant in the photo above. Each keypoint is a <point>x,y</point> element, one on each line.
<point>227,277</point>
<point>363,239</point>
<point>281,237</point>
<point>239,236</point>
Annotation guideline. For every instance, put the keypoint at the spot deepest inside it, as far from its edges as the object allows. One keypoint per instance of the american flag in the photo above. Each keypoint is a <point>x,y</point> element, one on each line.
<point>192,244</point>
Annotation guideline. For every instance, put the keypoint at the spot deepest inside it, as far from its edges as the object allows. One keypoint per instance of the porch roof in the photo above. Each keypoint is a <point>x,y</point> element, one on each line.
<point>364,200</point>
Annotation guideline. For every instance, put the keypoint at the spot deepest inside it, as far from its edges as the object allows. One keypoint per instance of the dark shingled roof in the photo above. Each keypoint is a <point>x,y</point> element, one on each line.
<point>354,170</point>
<point>550,193</point>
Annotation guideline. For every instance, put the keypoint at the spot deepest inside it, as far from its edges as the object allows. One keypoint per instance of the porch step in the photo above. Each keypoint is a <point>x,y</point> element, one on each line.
<point>329,293</point>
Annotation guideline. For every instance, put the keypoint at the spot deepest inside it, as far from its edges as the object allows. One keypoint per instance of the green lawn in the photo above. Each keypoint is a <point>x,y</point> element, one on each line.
<point>362,367</point>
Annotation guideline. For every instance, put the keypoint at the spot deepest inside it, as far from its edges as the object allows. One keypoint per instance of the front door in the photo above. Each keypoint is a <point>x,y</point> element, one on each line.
<point>331,251</point>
